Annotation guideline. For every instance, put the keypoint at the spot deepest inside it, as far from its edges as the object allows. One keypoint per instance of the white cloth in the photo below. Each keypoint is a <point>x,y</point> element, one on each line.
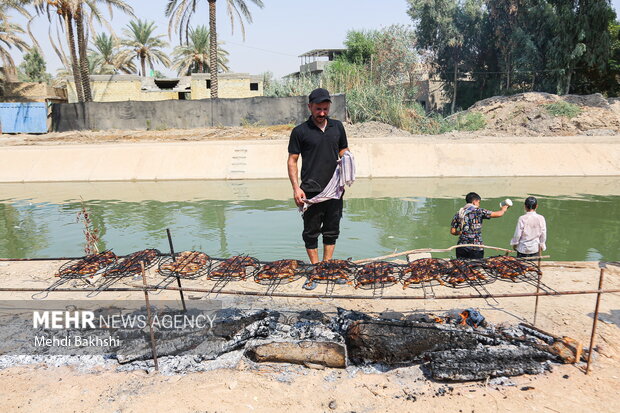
<point>530,233</point>
<point>343,175</point>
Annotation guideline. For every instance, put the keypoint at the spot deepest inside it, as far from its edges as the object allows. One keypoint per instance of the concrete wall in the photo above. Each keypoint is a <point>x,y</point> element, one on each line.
<point>259,159</point>
<point>185,114</point>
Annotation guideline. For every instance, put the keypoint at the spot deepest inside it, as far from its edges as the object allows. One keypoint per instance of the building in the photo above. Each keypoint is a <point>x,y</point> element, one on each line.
<point>118,88</point>
<point>315,61</point>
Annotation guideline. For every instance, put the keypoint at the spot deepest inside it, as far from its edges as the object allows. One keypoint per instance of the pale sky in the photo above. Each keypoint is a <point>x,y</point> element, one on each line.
<point>280,32</point>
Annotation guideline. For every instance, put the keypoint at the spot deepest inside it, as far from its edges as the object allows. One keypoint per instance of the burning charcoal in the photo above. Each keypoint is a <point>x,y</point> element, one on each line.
<point>472,318</point>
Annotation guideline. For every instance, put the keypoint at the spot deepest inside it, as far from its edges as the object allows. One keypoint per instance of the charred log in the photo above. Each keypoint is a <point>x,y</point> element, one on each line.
<point>328,354</point>
<point>398,342</point>
<point>484,362</point>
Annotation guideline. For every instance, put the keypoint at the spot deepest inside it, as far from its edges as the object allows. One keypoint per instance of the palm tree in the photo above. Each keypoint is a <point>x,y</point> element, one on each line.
<point>143,45</point>
<point>64,9</point>
<point>70,11</point>
<point>10,35</point>
<point>180,13</point>
<point>80,16</point>
<point>104,56</point>
<point>194,56</point>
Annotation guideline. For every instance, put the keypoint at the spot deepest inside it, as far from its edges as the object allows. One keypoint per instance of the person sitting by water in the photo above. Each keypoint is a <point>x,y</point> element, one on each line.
<point>467,224</point>
<point>531,231</point>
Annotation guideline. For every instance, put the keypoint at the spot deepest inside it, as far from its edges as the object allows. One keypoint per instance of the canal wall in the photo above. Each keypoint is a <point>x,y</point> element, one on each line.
<point>265,159</point>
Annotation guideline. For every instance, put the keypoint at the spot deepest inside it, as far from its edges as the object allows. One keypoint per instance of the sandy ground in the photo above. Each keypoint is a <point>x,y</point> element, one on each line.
<point>280,387</point>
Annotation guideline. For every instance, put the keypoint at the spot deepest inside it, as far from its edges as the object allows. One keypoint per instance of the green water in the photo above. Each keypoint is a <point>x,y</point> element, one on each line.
<point>43,224</point>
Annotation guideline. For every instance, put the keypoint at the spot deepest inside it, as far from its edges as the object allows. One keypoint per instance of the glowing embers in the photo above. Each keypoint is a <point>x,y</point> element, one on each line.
<point>132,263</point>
<point>336,271</point>
<point>377,274</point>
<point>425,270</point>
<point>511,268</point>
<point>238,267</point>
<point>280,271</point>
<point>87,266</point>
<point>188,264</point>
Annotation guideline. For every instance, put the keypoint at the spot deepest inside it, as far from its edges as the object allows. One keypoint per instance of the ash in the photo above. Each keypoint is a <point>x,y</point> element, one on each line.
<point>447,351</point>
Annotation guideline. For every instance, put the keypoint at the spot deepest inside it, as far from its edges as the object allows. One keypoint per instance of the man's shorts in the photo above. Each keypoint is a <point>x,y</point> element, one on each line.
<point>469,253</point>
<point>322,218</point>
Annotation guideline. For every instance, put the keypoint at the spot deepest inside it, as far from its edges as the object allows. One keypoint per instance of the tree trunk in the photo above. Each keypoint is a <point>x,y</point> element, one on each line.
<point>212,49</point>
<point>84,73</point>
<point>456,65</point>
<point>143,65</point>
<point>568,80</point>
<point>77,78</point>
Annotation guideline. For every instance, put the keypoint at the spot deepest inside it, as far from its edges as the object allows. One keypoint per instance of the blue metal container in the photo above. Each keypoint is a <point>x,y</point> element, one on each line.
<point>29,117</point>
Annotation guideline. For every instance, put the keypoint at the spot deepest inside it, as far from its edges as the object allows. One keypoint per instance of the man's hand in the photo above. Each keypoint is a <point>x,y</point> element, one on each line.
<point>455,231</point>
<point>502,210</point>
<point>299,195</point>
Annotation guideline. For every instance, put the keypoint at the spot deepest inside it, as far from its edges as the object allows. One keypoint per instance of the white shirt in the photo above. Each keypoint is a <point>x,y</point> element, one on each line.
<point>530,234</point>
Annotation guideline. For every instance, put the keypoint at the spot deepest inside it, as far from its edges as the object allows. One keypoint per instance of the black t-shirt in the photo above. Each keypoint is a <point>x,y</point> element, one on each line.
<point>319,152</point>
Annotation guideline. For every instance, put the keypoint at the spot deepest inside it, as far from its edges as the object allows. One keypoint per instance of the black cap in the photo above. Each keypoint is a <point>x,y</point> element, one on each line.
<point>319,95</point>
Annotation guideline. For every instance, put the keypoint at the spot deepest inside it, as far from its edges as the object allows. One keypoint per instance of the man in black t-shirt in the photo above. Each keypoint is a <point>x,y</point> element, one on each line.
<point>320,141</point>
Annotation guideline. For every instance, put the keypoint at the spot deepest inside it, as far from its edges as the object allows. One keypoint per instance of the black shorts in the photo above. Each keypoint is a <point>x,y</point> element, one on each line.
<point>521,255</point>
<point>469,253</point>
<point>322,218</point>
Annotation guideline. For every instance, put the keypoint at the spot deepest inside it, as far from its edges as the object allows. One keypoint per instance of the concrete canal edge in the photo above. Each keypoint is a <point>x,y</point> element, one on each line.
<point>266,159</point>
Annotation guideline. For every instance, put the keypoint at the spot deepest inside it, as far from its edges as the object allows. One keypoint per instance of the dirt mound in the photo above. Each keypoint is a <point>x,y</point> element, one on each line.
<point>373,129</point>
<point>530,114</point>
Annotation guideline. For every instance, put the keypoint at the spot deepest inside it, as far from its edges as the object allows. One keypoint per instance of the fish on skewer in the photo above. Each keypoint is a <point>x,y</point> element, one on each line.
<point>374,273</point>
<point>132,263</point>
<point>187,263</point>
<point>88,265</point>
<point>510,267</point>
<point>331,270</point>
<point>463,270</point>
<point>278,270</point>
<point>425,270</point>
<point>234,268</point>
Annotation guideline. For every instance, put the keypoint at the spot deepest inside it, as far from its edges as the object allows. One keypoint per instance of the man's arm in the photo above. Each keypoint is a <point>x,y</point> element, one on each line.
<point>342,151</point>
<point>293,175</point>
<point>497,214</point>
<point>455,225</point>
<point>543,234</point>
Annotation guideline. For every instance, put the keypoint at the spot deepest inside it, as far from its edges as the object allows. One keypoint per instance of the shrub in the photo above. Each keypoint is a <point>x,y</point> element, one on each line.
<point>470,122</point>
<point>562,108</point>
